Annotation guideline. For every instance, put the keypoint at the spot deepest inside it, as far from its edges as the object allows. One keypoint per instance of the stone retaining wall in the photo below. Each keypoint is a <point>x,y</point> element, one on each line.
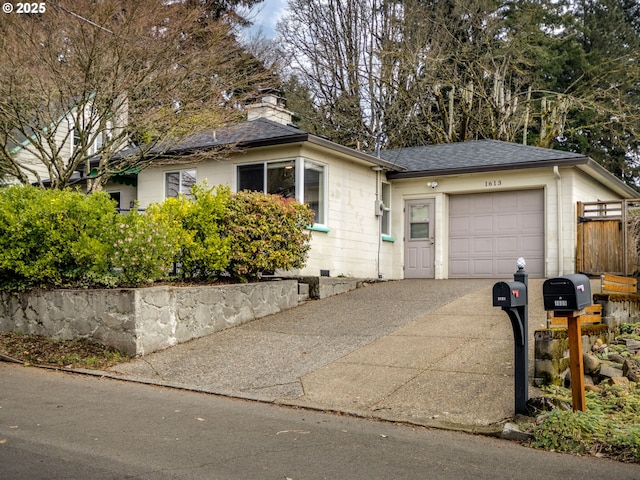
<point>323,287</point>
<point>142,320</point>
<point>618,308</point>
<point>551,362</point>
<point>551,359</point>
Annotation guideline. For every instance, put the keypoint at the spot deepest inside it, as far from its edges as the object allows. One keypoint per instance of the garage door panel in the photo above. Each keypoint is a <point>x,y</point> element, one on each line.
<point>480,204</point>
<point>482,223</point>
<point>530,248</point>
<point>483,267</point>
<point>460,269</point>
<point>531,220</point>
<point>489,231</point>
<point>482,245</point>
<point>460,225</point>
<point>535,264</point>
<point>461,245</point>
<point>506,222</point>
<point>506,244</point>
<point>505,267</point>
<point>528,201</point>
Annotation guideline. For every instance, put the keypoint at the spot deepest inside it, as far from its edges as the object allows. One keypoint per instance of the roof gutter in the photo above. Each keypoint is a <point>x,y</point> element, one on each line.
<point>323,142</point>
<point>490,168</point>
<point>609,179</point>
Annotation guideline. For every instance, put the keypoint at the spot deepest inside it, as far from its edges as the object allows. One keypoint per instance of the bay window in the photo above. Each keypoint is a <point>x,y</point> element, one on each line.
<point>301,179</point>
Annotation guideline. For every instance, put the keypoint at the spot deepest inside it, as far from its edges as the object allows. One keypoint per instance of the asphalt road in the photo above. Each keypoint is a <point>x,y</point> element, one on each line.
<point>62,426</point>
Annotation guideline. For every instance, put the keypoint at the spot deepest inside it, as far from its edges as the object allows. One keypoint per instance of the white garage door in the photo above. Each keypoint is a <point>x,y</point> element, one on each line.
<point>489,231</point>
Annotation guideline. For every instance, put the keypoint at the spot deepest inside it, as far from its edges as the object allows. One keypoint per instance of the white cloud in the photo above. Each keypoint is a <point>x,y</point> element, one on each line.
<point>266,14</point>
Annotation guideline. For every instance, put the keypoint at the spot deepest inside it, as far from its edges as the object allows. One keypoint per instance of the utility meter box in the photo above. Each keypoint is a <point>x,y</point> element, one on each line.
<point>509,294</point>
<point>567,293</point>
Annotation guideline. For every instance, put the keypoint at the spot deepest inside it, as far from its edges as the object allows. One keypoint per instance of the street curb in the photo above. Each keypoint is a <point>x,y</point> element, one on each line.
<point>494,430</point>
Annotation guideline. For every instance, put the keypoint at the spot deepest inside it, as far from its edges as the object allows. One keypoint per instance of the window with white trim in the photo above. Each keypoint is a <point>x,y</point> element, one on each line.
<point>385,227</point>
<point>179,182</point>
<point>301,179</point>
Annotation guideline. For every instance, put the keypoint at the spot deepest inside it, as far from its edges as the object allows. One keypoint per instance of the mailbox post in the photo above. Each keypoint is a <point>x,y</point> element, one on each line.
<point>567,296</point>
<point>512,297</point>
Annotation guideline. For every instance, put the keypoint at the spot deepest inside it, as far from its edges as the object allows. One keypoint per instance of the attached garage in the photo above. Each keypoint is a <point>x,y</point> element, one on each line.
<point>488,230</point>
<point>494,202</point>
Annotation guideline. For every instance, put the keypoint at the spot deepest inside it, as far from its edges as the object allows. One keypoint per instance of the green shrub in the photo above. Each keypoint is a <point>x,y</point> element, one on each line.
<point>52,237</point>
<point>143,247</point>
<point>203,252</point>
<point>267,232</point>
<point>66,238</point>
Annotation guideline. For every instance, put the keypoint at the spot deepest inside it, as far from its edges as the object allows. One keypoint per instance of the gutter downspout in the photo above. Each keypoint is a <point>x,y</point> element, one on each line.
<point>556,172</point>
<point>378,171</point>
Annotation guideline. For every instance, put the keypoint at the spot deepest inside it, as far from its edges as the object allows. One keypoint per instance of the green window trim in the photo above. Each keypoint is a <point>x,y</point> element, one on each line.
<point>387,238</point>
<point>318,228</point>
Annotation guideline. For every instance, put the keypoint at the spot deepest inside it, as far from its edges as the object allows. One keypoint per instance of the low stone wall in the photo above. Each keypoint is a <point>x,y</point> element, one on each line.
<point>618,308</point>
<point>142,320</point>
<point>551,359</point>
<point>551,363</point>
<point>322,287</point>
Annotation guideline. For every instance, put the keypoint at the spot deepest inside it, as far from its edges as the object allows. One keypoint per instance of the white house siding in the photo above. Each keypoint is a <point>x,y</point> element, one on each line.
<point>29,156</point>
<point>575,186</point>
<point>127,194</point>
<point>24,157</point>
<point>349,247</point>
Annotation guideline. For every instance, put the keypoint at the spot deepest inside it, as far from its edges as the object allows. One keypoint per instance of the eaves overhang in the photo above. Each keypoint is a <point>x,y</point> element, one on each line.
<point>365,157</point>
<point>561,162</point>
<point>594,169</point>
<point>584,164</point>
<point>322,143</point>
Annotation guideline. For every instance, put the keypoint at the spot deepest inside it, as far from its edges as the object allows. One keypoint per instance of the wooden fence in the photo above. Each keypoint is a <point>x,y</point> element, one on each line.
<point>607,237</point>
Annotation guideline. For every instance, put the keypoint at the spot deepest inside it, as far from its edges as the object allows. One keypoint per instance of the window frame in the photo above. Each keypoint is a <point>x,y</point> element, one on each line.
<point>385,196</point>
<point>180,181</point>
<point>300,166</point>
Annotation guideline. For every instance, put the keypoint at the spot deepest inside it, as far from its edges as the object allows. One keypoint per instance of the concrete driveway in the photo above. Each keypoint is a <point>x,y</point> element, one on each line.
<point>430,352</point>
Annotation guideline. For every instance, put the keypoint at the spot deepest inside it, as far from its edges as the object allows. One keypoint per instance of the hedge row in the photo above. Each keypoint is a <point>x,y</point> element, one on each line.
<point>51,238</point>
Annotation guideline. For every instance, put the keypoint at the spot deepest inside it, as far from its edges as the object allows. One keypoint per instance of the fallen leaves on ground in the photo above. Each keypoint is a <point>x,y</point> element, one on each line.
<point>77,353</point>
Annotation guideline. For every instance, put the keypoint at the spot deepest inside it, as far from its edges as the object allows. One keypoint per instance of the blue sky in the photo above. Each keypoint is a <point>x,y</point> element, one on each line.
<point>267,14</point>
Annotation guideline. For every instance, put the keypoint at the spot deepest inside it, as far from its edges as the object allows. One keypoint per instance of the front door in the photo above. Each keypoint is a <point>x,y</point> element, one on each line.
<point>418,239</point>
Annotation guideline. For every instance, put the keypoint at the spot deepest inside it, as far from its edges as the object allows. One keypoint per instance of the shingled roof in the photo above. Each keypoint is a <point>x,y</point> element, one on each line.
<point>474,156</point>
<point>260,132</point>
<point>246,134</point>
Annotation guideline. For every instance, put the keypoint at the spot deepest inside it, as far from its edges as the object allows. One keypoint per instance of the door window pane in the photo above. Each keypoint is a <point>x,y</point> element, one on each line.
<point>419,222</point>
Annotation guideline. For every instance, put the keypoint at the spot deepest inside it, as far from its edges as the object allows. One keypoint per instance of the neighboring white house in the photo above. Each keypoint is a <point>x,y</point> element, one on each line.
<point>461,210</point>
<point>61,137</point>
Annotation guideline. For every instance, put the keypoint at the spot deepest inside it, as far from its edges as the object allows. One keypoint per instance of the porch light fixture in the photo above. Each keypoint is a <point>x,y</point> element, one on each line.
<point>432,185</point>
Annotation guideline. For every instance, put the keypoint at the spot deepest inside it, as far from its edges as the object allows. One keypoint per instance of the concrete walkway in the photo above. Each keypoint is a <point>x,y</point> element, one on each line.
<point>429,352</point>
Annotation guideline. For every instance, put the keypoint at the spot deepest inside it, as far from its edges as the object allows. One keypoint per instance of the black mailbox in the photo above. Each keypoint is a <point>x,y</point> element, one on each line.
<point>509,294</point>
<point>568,293</point>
